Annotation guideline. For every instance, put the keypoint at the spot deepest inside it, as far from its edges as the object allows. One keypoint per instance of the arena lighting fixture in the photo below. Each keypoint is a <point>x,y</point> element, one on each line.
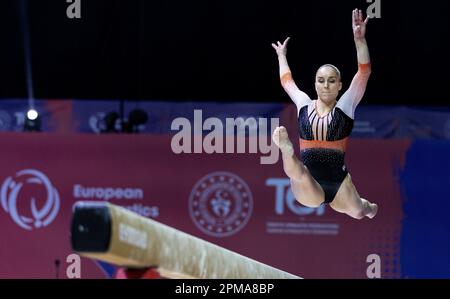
<point>32,121</point>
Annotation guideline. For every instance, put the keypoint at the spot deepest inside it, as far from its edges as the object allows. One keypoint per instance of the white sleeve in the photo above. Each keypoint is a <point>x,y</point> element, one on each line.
<point>351,98</point>
<point>297,96</point>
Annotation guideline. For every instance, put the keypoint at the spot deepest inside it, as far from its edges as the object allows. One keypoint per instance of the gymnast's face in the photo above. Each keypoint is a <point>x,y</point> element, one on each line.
<point>328,84</point>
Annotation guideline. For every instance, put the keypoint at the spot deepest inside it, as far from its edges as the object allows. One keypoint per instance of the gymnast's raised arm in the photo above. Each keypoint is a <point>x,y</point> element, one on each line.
<point>351,98</point>
<point>297,96</point>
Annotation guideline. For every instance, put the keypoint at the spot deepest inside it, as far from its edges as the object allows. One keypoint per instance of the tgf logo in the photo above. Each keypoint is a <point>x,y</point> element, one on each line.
<point>284,195</point>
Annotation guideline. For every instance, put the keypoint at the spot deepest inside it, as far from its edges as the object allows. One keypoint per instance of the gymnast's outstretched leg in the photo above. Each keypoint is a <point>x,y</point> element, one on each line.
<point>348,201</point>
<point>304,187</point>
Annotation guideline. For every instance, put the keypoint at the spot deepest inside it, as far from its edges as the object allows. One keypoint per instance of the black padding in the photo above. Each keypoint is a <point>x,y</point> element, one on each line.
<point>91,227</point>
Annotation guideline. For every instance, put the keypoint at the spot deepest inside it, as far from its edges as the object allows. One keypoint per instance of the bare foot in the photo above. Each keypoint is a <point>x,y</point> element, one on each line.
<point>374,207</point>
<point>281,139</point>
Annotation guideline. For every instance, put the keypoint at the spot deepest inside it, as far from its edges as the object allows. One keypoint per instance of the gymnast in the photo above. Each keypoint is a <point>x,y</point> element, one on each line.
<point>325,124</point>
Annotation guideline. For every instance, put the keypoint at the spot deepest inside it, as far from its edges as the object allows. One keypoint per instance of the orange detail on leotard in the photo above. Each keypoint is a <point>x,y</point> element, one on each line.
<point>340,145</point>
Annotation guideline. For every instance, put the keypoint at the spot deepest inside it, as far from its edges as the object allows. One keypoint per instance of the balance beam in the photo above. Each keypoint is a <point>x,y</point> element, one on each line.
<point>115,235</point>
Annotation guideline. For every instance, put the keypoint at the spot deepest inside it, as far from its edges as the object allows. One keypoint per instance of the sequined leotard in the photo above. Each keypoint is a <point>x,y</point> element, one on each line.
<point>323,139</point>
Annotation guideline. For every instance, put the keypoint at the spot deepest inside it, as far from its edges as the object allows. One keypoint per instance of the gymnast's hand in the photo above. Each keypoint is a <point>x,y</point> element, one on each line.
<point>359,26</point>
<point>281,48</point>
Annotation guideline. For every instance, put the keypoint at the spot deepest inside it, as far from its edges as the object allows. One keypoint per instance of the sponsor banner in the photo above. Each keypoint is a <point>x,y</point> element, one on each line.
<point>231,200</point>
<point>375,121</point>
<point>94,116</point>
